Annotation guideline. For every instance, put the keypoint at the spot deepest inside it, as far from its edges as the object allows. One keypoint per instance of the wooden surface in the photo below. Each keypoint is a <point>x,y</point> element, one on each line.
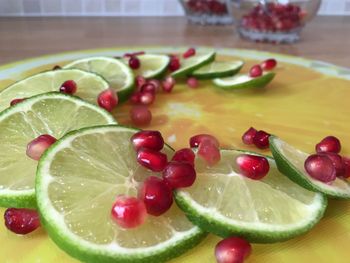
<point>325,38</point>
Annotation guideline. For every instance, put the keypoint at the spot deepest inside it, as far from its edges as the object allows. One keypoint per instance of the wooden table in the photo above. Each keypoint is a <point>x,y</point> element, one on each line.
<point>326,38</point>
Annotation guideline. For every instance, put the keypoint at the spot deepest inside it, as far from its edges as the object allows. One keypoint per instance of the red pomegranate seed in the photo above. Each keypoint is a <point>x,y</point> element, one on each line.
<point>21,220</point>
<point>248,136</point>
<point>140,115</point>
<point>15,101</point>
<point>192,82</point>
<point>155,83</point>
<point>197,139</point>
<point>179,175</point>
<point>148,139</point>
<point>108,99</point>
<point>261,139</point>
<point>232,250</point>
<point>329,144</point>
<point>140,81</point>
<point>151,159</point>
<point>135,98</point>
<point>148,87</point>
<point>185,155</point>
<point>269,64</point>
<point>253,166</point>
<point>255,71</point>
<point>338,163</point>
<point>346,163</point>
<point>157,196</point>
<point>168,84</point>
<point>320,167</point>
<point>209,152</point>
<point>128,212</point>
<point>69,87</point>
<point>174,63</point>
<point>189,53</point>
<point>147,98</point>
<point>134,63</point>
<point>38,146</point>
<point>56,67</point>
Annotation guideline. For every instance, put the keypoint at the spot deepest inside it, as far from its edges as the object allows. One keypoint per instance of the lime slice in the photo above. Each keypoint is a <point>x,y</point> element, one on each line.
<point>269,210</point>
<point>49,113</point>
<point>152,65</point>
<point>188,65</point>
<point>290,161</point>
<point>244,81</point>
<point>77,182</point>
<point>218,69</point>
<point>89,85</point>
<point>119,76</point>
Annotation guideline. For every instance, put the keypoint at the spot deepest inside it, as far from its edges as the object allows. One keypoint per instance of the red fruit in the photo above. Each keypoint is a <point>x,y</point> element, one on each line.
<point>168,84</point>
<point>189,53</point>
<point>134,63</point>
<point>338,163</point>
<point>151,159</point>
<point>174,63</point>
<point>56,67</point>
<point>140,81</point>
<point>248,136</point>
<point>128,212</point>
<point>140,115</point>
<point>329,144</point>
<point>185,155</point>
<point>148,139</point>
<point>320,167</point>
<point>156,195</point>
<point>197,139</point>
<point>209,152</point>
<point>232,250</point>
<point>179,175</point>
<point>148,87</point>
<point>261,139</point>
<point>21,221</point>
<point>147,98</point>
<point>155,83</point>
<point>269,64</point>
<point>69,87</point>
<point>253,166</point>
<point>108,99</point>
<point>15,101</point>
<point>38,146</point>
<point>192,82</point>
<point>135,97</point>
<point>346,163</point>
<point>255,71</point>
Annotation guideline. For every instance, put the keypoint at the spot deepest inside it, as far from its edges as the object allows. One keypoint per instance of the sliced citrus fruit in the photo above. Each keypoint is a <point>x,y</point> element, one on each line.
<point>119,76</point>
<point>188,65</point>
<point>78,180</point>
<point>244,81</point>
<point>226,203</point>
<point>152,65</point>
<point>218,69</point>
<point>89,85</point>
<point>50,113</point>
<point>290,161</point>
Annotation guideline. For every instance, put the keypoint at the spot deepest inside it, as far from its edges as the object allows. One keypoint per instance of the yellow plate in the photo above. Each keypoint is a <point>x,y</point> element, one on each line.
<point>305,102</point>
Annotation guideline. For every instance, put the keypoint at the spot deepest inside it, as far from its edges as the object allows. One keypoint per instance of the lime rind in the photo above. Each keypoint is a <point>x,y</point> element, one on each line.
<point>293,168</point>
<point>244,81</point>
<point>152,65</point>
<point>218,69</point>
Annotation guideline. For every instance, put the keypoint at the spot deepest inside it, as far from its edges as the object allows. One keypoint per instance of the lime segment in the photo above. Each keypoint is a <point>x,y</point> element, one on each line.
<point>244,81</point>
<point>152,65</point>
<point>218,69</point>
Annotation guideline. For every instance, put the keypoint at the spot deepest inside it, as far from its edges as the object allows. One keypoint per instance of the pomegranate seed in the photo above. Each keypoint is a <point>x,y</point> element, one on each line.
<point>232,250</point>
<point>185,155</point>
<point>151,159</point>
<point>174,63</point>
<point>179,175</point>
<point>269,64</point>
<point>197,139</point>
<point>140,81</point>
<point>148,87</point>
<point>134,62</point>
<point>168,84</point>
<point>248,136</point>
<point>192,82</point>
<point>157,196</point>
<point>148,139</point>
<point>15,101</point>
<point>189,53</point>
<point>320,167</point>
<point>147,98</point>
<point>38,146</point>
<point>135,98</point>
<point>108,99</point>
<point>69,87</point>
<point>209,152</point>
<point>56,67</point>
<point>21,221</point>
<point>128,212</point>
<point>338,163</point>
<point>346,163</point>
<point>261,139</point>
<point>253,166</point>
<point>329,144</point>
<point>255,71</point>
<point>155,83</point>
<point>140,115</point>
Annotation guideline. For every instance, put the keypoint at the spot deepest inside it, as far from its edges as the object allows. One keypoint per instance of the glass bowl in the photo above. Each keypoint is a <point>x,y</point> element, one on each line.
<point>278,21</point>
<point>208,12</point>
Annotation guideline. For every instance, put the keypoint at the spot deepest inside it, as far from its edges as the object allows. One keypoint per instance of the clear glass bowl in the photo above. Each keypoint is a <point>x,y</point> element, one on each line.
<point>208,12</point>
<point>279,21</point>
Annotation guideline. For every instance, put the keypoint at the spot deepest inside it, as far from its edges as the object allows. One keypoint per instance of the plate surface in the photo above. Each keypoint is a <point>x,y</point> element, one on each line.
<point>306,101</point>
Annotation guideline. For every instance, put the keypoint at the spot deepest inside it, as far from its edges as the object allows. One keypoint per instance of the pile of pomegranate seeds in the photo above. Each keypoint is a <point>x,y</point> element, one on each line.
<point>189,53</point>
<point>253,166</point>
<point>214,7</point>
<point>232,250</point>
<point>37,147</point>
<point>69,87</point>
<point>21,221</point>
<point>259,138</point>
<point>15,101</point>
<point>208,148</point>
<point>108,99</point>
